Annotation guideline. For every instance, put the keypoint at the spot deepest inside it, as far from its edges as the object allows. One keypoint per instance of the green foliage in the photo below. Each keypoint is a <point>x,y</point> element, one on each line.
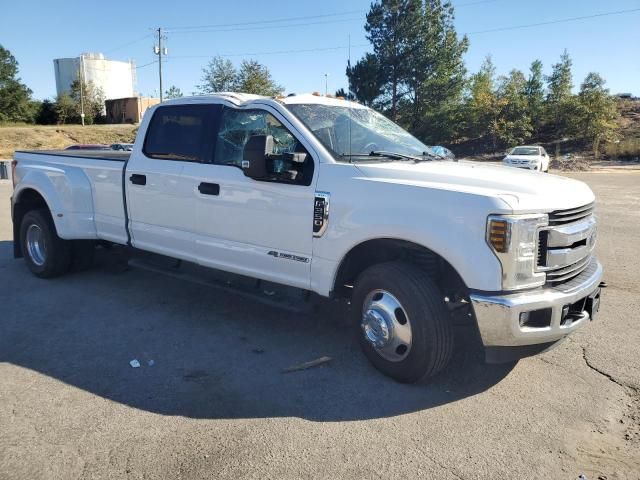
<point>597,112</point>
<point>365,80</point>
<point>65,108</point>
<point>15,97</point>
<point>512,125</point>
<point>47,113</point>
<point>535,95</point>
<point>173,92</point>
<point>560,103</point>
<point>88,98</point>
<point>416,72</point>
<point>218,76</point>
<point>342,93</point>
<point>481,104</point>
<point>252,77</point>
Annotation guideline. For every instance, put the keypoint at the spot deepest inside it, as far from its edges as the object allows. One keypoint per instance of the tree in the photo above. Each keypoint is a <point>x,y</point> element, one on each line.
<point>481,105</point>
<point>534,91</point>
<point>218,76</point>
<point>436,71</point>
<point>65,108</point>
<point>255,78</point>
<point>47,113</point>
<point>597,112</point>
<point>15,97</point>
<point>173,92</point>
<point>390,27</point>
<point>88,98</point>
<point>416,72</point>
<point>560,105</point>
<point>512,125</point>
<point>342,93</point>
<point>252,77</point>
<point>365,80</point>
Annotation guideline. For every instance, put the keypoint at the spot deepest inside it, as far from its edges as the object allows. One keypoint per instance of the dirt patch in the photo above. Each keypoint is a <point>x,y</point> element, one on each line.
<point>56,137</point>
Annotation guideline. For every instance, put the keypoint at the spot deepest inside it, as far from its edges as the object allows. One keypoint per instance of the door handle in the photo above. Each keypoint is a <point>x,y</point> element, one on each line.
<point>138,179</point>
<point>209,188</point>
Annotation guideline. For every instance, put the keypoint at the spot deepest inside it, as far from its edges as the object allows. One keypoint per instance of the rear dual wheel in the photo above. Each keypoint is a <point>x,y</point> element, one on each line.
<point>401,321</point>
<point>45,253</point>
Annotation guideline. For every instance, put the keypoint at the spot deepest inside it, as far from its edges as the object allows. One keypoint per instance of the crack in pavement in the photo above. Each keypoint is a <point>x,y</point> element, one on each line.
<point>605,374</point>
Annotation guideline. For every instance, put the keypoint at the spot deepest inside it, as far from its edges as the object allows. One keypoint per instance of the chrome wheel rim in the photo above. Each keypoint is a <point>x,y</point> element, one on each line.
<point>36,245</point>
<point>386,326</point>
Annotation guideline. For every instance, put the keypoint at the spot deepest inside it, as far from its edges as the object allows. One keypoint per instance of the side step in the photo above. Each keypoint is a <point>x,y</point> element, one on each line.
<point>275,295</point>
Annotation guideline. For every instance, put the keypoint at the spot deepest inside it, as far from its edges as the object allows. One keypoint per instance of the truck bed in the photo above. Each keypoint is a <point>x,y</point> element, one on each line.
<point>113,155</point>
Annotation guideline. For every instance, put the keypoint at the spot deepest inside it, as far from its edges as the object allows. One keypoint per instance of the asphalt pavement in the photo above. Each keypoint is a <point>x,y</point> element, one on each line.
<point>211,400</point>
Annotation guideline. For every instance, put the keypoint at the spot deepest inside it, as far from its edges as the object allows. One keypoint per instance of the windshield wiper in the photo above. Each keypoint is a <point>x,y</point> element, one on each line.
<point>380,153</point>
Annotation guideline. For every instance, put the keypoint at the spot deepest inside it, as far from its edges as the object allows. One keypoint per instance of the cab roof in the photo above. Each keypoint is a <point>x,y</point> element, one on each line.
<point>241,99</point>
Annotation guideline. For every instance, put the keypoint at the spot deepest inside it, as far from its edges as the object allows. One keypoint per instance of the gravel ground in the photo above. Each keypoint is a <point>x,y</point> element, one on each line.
<point>215,403</point>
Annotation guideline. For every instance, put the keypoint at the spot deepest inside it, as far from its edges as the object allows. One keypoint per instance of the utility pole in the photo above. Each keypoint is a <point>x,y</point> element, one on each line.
<point>160,60</point>
<point>159,50</point>
<point>81,76</point>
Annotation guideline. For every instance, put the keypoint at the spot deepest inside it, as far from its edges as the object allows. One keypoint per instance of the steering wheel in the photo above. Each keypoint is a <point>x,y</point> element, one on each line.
<point>371,147</point>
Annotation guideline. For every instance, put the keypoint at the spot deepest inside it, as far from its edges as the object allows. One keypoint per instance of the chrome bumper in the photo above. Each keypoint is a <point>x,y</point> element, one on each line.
<point>498,316</point>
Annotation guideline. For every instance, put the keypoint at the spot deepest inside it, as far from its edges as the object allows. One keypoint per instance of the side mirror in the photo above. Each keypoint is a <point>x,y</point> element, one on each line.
<point>254,157</point>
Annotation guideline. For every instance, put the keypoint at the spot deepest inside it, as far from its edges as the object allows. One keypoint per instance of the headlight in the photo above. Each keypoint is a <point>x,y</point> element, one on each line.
<point>514,240</point>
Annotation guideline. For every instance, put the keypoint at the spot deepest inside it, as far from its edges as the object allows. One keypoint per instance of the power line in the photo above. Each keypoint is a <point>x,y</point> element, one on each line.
<point>128,43</point>
<point>552,22</point>
<point>275,52</point>
<point>278,20</point>
<point>270,27</point>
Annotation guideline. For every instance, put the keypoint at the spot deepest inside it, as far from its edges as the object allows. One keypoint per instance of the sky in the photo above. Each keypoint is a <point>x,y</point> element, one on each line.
<point>308,50</point>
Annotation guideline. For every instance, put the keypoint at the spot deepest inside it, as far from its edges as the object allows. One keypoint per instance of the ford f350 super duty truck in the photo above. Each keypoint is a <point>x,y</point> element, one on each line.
<point>331,197</point>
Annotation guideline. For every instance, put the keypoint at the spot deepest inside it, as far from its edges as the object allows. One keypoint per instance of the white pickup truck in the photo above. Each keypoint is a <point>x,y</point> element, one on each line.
<point>330,197</point>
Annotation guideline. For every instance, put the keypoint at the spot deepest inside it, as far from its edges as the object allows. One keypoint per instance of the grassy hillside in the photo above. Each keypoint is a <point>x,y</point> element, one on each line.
<point>30,137</point>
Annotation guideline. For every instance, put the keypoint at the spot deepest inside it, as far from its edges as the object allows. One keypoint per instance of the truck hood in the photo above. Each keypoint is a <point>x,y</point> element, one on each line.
<point>522,190</point>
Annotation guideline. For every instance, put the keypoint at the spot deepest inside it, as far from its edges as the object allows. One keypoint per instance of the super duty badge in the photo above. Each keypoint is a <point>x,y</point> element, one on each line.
<point>320,213</point>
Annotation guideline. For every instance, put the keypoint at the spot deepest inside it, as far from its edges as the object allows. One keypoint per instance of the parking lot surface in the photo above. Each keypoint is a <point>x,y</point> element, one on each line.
<point>210,399</point>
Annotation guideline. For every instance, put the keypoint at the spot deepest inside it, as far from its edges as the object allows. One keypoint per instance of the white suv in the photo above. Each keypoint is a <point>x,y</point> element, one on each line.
<point>529,157</point>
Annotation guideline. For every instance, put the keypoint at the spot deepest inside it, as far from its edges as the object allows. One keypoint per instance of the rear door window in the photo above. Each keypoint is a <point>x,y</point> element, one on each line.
<point>182,132</point>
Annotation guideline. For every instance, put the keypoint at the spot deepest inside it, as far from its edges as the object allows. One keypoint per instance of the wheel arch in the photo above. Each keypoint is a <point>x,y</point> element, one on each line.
<point>26,200</point>
<point>379,250</point>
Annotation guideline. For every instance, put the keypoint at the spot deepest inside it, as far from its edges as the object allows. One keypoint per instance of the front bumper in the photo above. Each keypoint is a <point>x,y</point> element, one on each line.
<point>498,316</point>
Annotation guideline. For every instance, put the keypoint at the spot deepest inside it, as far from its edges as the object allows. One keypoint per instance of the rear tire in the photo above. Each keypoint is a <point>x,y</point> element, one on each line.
<point>45,253</point>
<point>391,299</point>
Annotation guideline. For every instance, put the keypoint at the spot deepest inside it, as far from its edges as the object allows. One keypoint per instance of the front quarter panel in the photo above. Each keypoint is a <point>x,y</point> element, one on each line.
<point>450,223</point>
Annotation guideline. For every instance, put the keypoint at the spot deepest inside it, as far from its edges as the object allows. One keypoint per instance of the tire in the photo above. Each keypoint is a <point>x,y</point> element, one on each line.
<point>49,256</point>
<point>421,304</point>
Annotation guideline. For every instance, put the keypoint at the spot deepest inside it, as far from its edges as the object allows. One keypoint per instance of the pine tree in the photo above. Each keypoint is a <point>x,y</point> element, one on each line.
<point>15,97</point>
<point>481,105</point>
<point>513,124</point>
<point>535,95</point>
<point>597,112</point>
<point>560,104</point>
<point>255,78</point>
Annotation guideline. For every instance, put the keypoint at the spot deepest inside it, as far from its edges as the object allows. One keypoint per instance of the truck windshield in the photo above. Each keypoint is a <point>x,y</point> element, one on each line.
<point>347,132</point>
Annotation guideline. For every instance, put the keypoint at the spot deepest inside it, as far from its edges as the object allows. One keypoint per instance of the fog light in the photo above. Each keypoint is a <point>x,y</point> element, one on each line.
<point>536,318</point>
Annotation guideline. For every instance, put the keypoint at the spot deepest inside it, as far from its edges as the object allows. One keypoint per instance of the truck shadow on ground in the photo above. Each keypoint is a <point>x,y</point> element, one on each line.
<point>205,353</point>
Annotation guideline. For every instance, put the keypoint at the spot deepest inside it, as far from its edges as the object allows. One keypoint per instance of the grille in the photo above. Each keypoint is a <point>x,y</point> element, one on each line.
<point>563,274</point>
<point>558,219</point>
<point>562,217</point>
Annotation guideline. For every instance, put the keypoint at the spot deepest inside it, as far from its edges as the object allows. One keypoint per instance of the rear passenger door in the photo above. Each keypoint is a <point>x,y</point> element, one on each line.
<point>161,201</point>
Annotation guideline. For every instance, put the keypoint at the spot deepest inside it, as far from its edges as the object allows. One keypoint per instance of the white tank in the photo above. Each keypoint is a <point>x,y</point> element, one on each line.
<point>115,78</point>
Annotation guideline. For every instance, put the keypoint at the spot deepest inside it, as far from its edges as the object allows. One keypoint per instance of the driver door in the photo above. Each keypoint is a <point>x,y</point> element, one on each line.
<point>262,229</point>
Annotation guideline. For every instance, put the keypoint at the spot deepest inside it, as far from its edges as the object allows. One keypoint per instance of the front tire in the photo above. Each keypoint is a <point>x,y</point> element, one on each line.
<point>401,321</point>
<point>45,253</point>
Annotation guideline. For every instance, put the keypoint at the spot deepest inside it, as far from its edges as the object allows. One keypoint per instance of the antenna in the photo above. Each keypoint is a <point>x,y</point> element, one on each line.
<point>349,95</point>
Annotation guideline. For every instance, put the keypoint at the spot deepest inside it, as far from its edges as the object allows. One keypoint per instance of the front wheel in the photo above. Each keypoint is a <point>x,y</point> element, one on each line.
<point>46,254</point>
<point>401,321</point>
